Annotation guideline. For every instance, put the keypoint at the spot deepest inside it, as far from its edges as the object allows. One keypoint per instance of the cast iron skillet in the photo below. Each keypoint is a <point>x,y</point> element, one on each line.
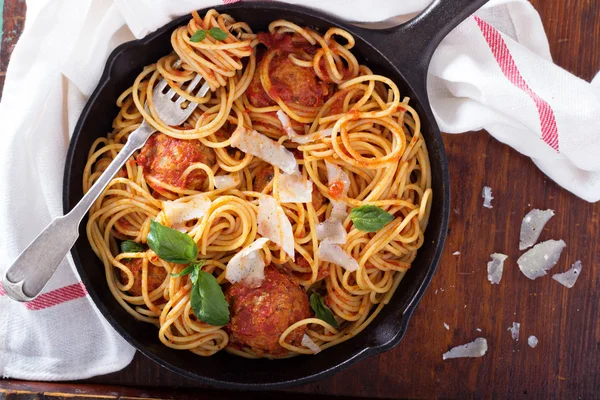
<point>401,53</point>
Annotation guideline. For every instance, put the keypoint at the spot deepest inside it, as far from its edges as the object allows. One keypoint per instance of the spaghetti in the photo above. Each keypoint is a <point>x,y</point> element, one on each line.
<point>308,95</point>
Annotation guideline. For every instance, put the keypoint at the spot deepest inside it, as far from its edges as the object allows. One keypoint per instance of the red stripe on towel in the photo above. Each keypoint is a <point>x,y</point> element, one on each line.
<point>511,71</point>
<point>54,297</point>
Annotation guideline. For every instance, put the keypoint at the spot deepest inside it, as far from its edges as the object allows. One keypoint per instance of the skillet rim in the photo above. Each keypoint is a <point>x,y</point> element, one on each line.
<point>421,286</point>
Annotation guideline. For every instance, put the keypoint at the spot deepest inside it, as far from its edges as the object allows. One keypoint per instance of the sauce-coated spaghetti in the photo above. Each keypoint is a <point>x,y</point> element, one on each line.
<point>289,110</point>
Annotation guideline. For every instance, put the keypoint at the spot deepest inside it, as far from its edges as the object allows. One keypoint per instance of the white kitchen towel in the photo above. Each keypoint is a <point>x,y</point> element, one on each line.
<point>493,72</point>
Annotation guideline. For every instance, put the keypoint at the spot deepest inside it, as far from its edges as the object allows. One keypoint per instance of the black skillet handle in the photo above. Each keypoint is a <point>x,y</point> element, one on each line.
<point>410,46</point>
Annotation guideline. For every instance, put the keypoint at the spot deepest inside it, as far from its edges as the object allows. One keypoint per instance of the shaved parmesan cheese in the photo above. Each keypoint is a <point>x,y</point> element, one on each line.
<point>268,150</point>
<point>532,226</point>
<point>294,188</point>
<point>487,196</point>
<point>331,231</point>
<point>336,174</point>
<point>274,224</point>
<point>496,267</point>
<point>312,137</point>
<point>308,343</point>
<point>456,253</point>
<point>178,212</point>
<point>514,331</point>
<point>247,265</point>
<point>294,136</point>
<point>226,181</point>
<point>532,341</point>
<point>333,253</point>
<point>569,278</point>
<point>476,348</point>
<point>446,326</point>
<point>543,256</point>
<point>339,211</point>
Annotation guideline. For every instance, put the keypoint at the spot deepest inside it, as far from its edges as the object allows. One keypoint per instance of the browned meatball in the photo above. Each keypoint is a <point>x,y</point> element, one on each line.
<point>165,159</point>
<point>260,315</point>
<point>256,93</point>
<point>156,276</point>
<point>295,84</point>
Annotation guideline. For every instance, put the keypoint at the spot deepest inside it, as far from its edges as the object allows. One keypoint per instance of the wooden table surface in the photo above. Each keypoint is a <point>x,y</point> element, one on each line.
<point>565,364</point>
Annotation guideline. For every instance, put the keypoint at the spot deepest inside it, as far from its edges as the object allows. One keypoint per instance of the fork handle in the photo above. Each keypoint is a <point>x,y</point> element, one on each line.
<point>34,267</point>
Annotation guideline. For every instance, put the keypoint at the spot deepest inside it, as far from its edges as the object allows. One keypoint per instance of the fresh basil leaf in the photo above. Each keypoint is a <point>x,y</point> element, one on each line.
<point>369,218</point>
<point>218,33</point>
<point>321,310</point>
<point>187,270</point>
<point>171,245</point>
<point>129,246</point>
<point>198,36</point>
<point>208,301</point>
<point>191,270</point>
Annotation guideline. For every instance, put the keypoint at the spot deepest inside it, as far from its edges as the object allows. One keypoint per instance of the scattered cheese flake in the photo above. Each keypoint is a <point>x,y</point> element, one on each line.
<point>226,181</point>
<point>177,212</point>
<point>569,278</point>
<point>336,174</point>
<point>446,326</point>
<point>543,256</point>
<point>247,265</point>
<point>514,331</point>
<point>476,348</point>
<point>308,343</point>
<point>496,267</point>
<point>295,188</point>
<point>287,124</point>
<point>331,231</point>
<point>274,224</point>
<point>312,137</point>
<point>478,330</point>
<point>456,253</point>
<point>532,226</point>
<point>333,253</point>
<point>268,150</point>
<point>532,341</point>
<point>487,196</point>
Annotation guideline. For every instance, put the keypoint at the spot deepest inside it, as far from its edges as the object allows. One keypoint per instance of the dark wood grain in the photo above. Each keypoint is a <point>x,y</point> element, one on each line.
<point>566,363</point>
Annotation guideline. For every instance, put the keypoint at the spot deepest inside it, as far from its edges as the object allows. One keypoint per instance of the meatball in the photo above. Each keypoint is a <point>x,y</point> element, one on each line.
<point>156,275</point>
<point>296,84</point>
<point>256,93</point>
<point>260,315</point>
<point>165,158</point>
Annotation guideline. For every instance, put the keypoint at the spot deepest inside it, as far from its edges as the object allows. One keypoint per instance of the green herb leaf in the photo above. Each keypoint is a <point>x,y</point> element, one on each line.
<point>369,218</point>
<point>198,36</point>
<point>321,310</point>
<point>208,301</point>
<point>192,270</point>
<point>129,246</point>
<point>218,33</point>
<point>185,271</point>
<point>171,245</point>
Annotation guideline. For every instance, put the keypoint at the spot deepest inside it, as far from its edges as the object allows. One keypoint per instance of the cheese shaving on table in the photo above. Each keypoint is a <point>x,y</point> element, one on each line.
<point>569,278</point>
<point>476,348</point>
<point>308,343</point>
<point>294,188</point>
<point>496,267</point>
<point>532,226</point>
<point>532,341</point>
<point>247,265</point>
<point>333,253</point>
<point>487,197</point>
<point>223,182</point>
<point>514,331</point>
<point>274,224</point>
<point>268,150</point>
<point>179,212</point>
<point>286,123</point>
<point>536,261</point>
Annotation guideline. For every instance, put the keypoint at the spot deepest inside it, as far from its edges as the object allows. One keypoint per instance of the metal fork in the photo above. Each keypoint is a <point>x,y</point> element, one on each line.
<point>34,267</point>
